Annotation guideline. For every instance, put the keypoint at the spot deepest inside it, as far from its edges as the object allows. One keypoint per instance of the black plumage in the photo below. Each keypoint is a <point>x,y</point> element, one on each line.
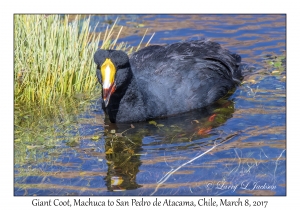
<point>165,80</point>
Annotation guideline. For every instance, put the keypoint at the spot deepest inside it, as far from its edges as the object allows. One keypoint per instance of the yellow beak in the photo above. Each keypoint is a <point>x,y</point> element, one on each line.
<point>108,72</point>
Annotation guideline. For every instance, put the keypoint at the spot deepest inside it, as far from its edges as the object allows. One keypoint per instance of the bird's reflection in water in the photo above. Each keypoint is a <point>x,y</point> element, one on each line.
<point>124,142</point>
<point>123,162</point>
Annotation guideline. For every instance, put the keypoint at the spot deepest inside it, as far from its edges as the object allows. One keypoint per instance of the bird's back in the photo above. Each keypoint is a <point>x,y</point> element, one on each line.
<point>184,76</point>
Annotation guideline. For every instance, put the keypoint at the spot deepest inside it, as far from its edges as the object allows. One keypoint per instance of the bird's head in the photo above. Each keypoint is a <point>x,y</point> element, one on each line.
<point>112,71</point>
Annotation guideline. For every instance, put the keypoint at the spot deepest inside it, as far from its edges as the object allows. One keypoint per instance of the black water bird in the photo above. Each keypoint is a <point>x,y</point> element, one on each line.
<point>159,81</point>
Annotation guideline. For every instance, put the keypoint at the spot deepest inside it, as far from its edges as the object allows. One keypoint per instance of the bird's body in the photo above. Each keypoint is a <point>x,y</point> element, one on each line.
<point>160,81</point>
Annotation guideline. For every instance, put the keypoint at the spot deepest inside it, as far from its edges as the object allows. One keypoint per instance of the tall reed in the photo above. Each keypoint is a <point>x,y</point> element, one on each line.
<point>52,58</point>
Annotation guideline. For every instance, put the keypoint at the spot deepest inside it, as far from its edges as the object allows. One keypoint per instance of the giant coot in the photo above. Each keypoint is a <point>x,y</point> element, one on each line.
<point>165,80</point>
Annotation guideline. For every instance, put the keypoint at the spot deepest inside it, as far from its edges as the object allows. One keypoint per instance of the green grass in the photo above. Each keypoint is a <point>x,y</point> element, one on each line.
<point>53,58</point>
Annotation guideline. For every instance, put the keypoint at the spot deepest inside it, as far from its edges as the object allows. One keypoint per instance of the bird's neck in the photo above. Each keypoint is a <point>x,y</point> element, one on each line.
<point>127,99</point>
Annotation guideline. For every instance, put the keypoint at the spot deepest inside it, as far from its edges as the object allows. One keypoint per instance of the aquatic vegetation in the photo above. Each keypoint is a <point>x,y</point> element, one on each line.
<point>52,58</point>
<point>272,65</point>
